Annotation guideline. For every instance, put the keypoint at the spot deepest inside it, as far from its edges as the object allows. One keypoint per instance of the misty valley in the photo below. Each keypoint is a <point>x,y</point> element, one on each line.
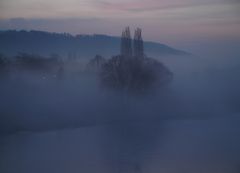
<point>114,104</point>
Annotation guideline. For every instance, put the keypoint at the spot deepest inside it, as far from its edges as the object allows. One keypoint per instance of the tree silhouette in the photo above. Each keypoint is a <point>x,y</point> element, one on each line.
<point>138,44</point>
<point>126,43</point>
<point>4,64</point>
<point>133,73</point>
<point>95,64</point>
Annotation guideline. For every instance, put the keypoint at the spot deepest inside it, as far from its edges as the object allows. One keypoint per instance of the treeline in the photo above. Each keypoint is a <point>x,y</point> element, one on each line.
<point>131,70</point>
<point>33,62</point>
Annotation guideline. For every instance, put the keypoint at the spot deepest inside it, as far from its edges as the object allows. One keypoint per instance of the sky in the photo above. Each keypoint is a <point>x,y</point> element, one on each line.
<point>169,21</point>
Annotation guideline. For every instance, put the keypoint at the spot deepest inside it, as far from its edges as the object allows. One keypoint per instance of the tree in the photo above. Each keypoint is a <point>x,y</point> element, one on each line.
<point>95,64</point>
<point>4,65</point>
<point>133,73</point>
<point>126,43</point>
<point>138,44</point>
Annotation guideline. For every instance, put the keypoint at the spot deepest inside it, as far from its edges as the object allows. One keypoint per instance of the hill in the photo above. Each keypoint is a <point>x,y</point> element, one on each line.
<point>80,46</point>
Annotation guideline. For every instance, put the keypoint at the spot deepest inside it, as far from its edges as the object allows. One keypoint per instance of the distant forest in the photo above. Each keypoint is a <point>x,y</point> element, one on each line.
<point>13,42</point>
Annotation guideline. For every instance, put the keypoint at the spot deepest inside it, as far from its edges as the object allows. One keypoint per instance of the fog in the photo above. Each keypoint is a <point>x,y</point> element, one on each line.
<point>72,123</point>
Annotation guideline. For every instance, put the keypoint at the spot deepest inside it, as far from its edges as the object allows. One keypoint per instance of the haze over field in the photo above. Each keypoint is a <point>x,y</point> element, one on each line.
<point>77,95</point>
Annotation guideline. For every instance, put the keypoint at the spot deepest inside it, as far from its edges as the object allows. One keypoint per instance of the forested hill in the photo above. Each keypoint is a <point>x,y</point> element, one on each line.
<point>83,46</point>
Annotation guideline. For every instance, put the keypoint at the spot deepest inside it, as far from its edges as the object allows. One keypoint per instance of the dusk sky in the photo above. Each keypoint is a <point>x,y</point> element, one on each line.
<point>168,21</point>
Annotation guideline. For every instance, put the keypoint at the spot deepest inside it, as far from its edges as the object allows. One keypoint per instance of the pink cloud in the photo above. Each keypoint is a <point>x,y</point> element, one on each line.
<point>135,5</point>
<point>147,5</point>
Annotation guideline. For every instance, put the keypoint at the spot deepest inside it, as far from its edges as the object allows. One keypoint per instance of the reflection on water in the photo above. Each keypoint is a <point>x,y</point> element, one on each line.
<point>173,146</point>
